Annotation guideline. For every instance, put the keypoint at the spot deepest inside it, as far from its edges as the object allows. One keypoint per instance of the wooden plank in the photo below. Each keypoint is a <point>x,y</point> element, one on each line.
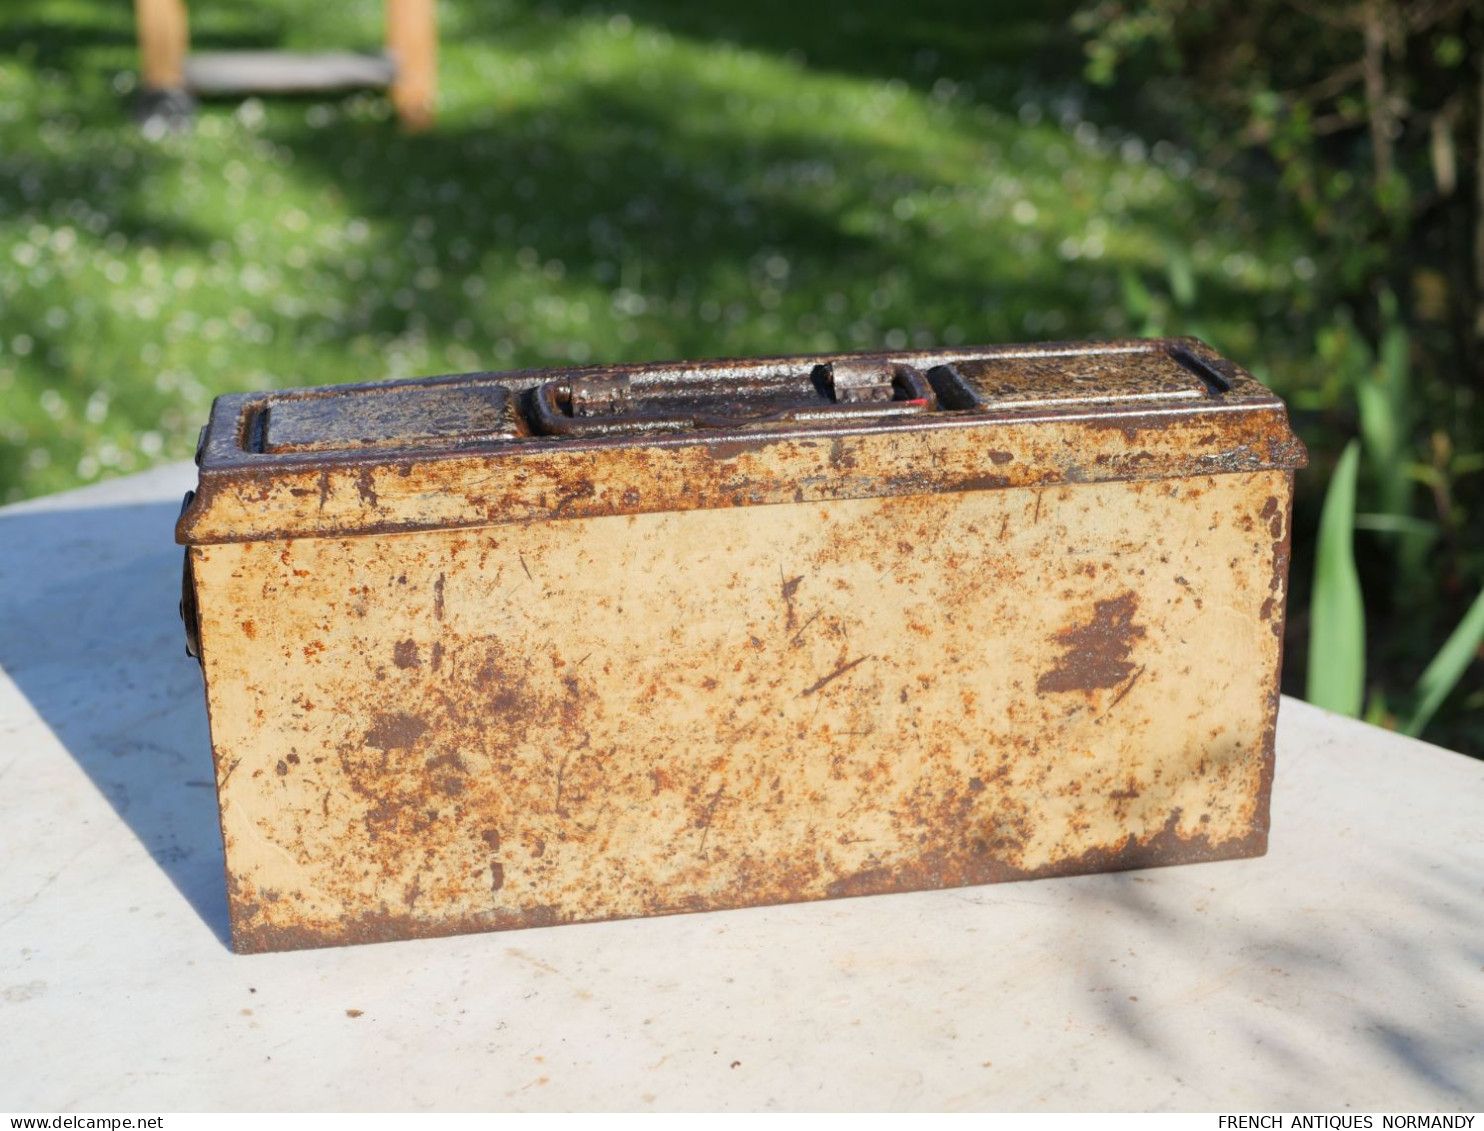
<point>412,41</point>
<point>164,39</point>
<point>284,72</point>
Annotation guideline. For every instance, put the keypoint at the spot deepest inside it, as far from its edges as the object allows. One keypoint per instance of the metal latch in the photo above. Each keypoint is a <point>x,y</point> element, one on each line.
<point>599,396</point>
<point>854,382</point>
<point>638,403</point>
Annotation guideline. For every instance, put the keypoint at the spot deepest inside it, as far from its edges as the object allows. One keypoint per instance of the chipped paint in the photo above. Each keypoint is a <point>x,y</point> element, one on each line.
<point>1097,654</point>
<point>581,716</point>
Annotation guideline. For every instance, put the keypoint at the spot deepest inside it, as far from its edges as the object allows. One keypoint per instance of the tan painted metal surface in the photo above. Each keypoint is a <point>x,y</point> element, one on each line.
<point>1060,663</point>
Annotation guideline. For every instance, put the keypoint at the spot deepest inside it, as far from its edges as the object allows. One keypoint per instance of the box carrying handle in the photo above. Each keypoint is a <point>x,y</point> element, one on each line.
<point>626,405</point>
<point>190,617</point>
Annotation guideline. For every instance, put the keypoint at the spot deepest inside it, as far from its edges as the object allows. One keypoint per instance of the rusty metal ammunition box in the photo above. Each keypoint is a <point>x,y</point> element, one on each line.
<point>497,651</point>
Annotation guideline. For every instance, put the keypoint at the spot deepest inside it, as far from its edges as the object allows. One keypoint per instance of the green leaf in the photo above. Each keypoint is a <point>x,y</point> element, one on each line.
<point>1425,474</point>
<point>1467,464</point>
<point>1395,358</point>
<point>1337,613</point>
<point>1375,708</point>
<point>1137,301</point>
<point>1378,427</point>
<point>1181,271</point>
<point>1450,51</point>
<point>1385,398</point>
<point>1397,524</point>
<point>1448,666</point>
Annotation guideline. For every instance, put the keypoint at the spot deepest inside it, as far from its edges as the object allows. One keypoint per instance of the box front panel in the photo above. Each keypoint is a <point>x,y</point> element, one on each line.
<point>429,733</point>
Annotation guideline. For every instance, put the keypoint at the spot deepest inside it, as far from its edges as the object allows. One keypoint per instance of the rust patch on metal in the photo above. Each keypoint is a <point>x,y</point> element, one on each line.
<point>593,678</point>
<point>254,935</point>
<point>366,487</point>
<point>984,482</point>
<point>843,450</point>
<point>933,870</point>
<point>1096,653</point>
<point>1164,848</point>
<point>395,732</point>
<point>1273,674</point>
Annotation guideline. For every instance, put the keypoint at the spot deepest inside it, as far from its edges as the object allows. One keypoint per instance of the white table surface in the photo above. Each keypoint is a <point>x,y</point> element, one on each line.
<point>1345,970</point>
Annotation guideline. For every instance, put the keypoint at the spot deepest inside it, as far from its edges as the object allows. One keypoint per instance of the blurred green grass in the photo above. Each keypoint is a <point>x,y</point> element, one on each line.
<point>626,180</point>
<point>606,182</point>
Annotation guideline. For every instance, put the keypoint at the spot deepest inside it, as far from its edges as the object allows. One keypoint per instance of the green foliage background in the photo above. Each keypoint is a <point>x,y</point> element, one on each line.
<point>658,178</point>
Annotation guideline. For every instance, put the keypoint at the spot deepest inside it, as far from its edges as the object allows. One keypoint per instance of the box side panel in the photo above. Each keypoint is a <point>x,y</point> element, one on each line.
<point>430,733</point>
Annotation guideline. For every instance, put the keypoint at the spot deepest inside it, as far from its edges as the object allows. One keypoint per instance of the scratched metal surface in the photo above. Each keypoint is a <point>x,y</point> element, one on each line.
<point>537,723</point>
<point>1013,417</point>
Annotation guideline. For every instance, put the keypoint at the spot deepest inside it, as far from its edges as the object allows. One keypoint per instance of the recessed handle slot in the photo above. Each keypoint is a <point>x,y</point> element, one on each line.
<point>626,405</point>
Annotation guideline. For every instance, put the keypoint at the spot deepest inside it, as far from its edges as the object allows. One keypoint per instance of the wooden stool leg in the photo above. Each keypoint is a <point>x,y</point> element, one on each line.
<point>164,38</point>
<point>412,41</point>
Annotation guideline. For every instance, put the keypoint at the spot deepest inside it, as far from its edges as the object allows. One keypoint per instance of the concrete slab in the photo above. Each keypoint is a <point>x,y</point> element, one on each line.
<point>1344,970</point>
